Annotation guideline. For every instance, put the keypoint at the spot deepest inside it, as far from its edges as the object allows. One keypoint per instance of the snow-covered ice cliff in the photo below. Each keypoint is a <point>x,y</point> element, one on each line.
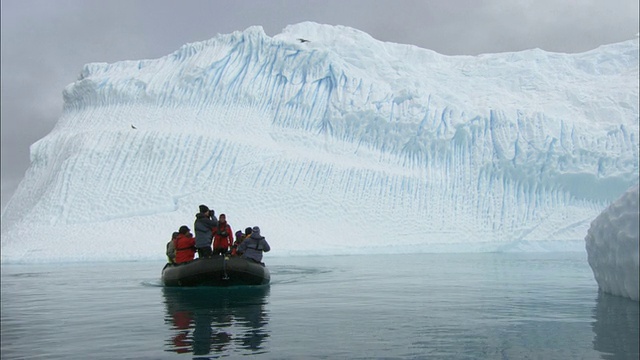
<point>341,143</point>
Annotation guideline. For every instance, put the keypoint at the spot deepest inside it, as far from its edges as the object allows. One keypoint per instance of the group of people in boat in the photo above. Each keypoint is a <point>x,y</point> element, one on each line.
<point>214,237</point>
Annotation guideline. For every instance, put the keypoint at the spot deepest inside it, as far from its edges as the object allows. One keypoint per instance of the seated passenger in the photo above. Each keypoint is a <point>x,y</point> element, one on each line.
<point>247,233</point>
<point>253,246</point>
<point>234,247</point>
<point>171,248</point>
<point>185,245</point>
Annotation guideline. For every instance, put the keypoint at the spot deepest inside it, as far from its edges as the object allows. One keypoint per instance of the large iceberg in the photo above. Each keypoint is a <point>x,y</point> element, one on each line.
<point>331,142</point>
<point>612,246</point>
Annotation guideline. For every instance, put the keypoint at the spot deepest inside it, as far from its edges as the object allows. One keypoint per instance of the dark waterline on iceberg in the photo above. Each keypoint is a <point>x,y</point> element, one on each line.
<point>436,306</point>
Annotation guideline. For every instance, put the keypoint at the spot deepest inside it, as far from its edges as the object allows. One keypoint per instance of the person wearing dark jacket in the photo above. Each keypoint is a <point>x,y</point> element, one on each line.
<point>171,248</point>
<point>205,222</point>
<point>185,245</point>
<point>253,246</point>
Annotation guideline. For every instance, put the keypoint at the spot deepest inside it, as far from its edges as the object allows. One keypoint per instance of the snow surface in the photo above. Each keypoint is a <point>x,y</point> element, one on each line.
<point>612,246</point>
<point>343,144</point>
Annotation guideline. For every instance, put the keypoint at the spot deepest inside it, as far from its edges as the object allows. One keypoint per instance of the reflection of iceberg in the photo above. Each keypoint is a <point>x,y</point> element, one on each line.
<point>205,320</point>
<point>616,327</point>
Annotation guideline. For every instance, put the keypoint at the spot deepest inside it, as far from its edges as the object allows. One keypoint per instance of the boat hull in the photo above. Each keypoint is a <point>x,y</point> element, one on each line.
<point>216,271</point>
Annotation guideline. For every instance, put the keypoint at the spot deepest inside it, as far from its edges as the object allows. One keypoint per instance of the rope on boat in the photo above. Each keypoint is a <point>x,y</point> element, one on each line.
<point>224,267</point>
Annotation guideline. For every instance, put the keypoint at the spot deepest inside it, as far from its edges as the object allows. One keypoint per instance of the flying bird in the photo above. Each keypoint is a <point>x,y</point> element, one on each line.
<point>133,127</point>
<point>303,40</point>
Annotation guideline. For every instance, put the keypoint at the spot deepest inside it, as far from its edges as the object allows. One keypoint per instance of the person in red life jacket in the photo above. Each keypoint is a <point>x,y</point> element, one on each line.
<point>222,236</point>
<point>181,321</point>
<point>185,245</point>
<point>239,238</point>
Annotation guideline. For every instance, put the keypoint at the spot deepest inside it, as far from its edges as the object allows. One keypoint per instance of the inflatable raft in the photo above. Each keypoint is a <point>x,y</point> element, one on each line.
<point>216,271</point>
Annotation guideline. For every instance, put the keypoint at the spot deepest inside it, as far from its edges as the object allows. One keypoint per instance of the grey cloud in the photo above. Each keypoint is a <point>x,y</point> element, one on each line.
<point>45,43</point>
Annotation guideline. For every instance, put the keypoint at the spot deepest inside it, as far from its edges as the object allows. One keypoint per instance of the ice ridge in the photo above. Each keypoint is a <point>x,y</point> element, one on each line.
<point>341,138</point>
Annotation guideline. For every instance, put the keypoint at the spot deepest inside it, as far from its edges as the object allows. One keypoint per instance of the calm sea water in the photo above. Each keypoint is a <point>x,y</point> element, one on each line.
<point>429,306</point>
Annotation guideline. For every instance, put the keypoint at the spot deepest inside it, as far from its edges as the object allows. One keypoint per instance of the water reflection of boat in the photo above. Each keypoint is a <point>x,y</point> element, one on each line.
<point>616,327</point>
<point>216,271</point>
<point>219,320</point>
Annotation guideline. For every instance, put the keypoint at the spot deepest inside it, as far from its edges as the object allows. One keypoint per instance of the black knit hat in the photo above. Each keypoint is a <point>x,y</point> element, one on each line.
<point>203,209</point>
<point>247,231</point>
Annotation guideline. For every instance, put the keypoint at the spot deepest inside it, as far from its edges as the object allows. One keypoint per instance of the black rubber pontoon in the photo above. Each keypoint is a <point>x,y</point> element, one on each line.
<point>216,271</point>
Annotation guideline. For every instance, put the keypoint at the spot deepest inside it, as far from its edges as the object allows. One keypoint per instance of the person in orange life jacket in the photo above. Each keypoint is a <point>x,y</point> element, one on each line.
<point>247,233</point>
<point>253,246</point>
<point>234,247</point>
<point>239,240</point>
<point>185,245</point>
<point>222,236</point>
<point>181,321</point>
<point>205,222</point>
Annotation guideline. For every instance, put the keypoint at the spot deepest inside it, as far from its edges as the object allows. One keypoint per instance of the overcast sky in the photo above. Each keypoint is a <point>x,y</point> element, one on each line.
<point>45,43</point>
